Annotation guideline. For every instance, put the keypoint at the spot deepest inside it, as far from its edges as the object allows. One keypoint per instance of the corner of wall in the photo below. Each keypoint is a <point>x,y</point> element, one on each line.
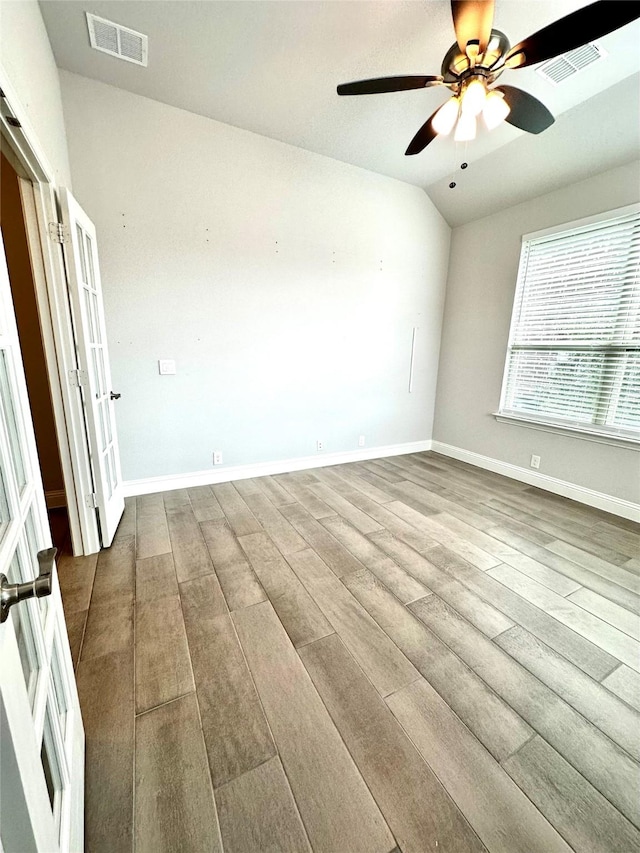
<point>29,65</point>
<point>480,290</point>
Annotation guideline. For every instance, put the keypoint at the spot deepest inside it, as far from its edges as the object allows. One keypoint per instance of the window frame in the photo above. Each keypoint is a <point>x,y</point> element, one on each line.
<point>546,422</point>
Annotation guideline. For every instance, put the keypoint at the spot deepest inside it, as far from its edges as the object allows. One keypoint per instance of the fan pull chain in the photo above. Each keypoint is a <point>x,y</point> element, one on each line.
<point>463,165</point>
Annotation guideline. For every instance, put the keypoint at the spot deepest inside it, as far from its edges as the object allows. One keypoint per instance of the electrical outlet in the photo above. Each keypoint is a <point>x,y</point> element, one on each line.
<point>535,462</point>
<point>361,441</point>
<point>166,367</point>
<point>217,457</point>
<point>319,445</point>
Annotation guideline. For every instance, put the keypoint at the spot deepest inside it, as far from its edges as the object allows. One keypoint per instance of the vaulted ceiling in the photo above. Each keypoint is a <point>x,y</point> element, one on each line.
<point>272,68</point>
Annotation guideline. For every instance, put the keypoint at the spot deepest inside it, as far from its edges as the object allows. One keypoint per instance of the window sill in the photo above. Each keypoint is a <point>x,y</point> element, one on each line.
<point>573,431</point>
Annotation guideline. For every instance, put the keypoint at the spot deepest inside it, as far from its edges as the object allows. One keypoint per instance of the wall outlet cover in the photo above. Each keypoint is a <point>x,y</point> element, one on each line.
<point>217,457</point>
<point>166,366</point>
<point>535,462</point>
<point>319,445</point>
<point>361,441</point>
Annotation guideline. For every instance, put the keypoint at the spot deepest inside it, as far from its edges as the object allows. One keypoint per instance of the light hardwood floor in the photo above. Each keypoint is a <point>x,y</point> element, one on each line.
<point>405,655</point>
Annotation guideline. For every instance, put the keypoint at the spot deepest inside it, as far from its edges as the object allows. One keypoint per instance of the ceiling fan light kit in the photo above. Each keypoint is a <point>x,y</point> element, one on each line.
<point>446,117</point>
<point>473,95</point>
<point>479,57</point>
<point>465,128</point>
<point>495,109</point>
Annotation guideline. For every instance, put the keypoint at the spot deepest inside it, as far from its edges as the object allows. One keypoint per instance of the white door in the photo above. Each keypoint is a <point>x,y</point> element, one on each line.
<point>41,734</point>
<point>81,255</point>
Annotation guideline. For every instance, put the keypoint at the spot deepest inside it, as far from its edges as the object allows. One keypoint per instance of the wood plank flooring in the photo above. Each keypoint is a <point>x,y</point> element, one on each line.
<point>408,655</point>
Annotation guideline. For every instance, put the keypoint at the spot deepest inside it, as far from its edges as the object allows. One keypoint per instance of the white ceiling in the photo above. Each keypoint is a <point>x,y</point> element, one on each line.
<point>272,68</point>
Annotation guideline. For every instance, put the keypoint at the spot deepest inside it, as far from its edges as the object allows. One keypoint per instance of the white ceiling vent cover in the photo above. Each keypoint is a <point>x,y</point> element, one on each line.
<point>567,64</point>
<point>117,40</point>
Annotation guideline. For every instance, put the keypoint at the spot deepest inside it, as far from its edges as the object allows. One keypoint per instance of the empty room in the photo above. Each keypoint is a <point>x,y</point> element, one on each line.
<point>319,426</point>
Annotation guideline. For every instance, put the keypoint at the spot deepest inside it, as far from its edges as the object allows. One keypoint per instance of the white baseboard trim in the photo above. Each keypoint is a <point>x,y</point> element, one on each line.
<point>149,485</point>
<point>600,500</point>
<point>56,498</point>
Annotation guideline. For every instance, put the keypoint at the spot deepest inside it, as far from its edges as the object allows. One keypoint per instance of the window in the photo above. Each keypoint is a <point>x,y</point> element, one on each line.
<point>574,348</point>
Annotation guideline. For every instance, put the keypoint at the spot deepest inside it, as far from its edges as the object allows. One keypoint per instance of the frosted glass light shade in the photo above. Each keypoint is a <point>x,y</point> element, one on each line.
<point>466,128</point>
<point>445,118</point>
<point>495,109</point>
<point>473,98</point>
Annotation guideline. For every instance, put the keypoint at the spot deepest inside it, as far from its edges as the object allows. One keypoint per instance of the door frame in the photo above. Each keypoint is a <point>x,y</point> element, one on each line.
<point>41,208</point>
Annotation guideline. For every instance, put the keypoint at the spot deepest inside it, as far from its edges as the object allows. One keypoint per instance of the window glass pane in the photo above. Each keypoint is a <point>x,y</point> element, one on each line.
<point>107,465</point>
<point>5,514</point>
<point>574,352</point>
<point>112,462</point>
<point>558,384</point>
<point>33,546</point>
<point>52,762</point>
<point>14,808</point>
<point>59,690</point>
<point>102,417</point>
<point>96,373</point>
<point>96,317</point>
<point>101,370</point>
<point>107,415</point>
<point>624,411</point>
<point>91,281</point>
<point>97,357</point>
<point>83,267</point>
<point>576,286</point>
<point>10,416</point>
<point>48,773</point>
<point>24,633</point>
<point>88,307</point>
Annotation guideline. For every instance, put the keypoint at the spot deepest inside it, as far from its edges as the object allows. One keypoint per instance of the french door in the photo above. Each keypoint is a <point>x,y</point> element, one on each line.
<point>83,275</point>
<point>41,734</point>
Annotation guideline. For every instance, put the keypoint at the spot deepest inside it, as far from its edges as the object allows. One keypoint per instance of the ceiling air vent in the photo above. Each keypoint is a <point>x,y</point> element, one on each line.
<point>117,40</point>
<point>567,64</point>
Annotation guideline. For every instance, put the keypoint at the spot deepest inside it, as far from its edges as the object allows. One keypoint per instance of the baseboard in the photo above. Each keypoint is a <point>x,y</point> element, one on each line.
<point>56,498</point>
<point>600,500</point>
<point>262,469</point>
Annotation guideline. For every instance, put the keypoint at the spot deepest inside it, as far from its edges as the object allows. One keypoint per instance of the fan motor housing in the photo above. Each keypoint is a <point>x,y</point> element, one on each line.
<point>456,66</point>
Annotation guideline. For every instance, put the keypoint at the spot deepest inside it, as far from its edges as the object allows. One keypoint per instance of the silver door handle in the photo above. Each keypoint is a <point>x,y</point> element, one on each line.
<point>12,593</point>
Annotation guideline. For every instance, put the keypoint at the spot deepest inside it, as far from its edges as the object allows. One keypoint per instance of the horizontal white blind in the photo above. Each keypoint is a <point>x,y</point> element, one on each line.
<point>574,350</point>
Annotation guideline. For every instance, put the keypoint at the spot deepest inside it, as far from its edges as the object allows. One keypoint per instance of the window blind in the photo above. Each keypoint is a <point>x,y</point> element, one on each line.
<point>574,346</point>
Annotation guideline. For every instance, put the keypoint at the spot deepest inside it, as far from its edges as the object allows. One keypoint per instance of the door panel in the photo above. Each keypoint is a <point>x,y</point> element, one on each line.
<point>41,736</point>
<point>88,313</point>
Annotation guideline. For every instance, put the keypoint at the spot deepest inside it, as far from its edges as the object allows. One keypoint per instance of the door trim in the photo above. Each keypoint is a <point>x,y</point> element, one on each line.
<point>40,206</point>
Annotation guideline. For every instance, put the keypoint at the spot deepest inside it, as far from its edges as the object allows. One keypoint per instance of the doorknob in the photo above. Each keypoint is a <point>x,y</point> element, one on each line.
<point>12,593</point>
<point>115,396</point>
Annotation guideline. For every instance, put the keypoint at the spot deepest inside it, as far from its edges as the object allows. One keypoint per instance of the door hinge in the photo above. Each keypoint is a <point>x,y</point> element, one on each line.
<point>90,500</point>
<point>77,378</point>
<point>58,232</point>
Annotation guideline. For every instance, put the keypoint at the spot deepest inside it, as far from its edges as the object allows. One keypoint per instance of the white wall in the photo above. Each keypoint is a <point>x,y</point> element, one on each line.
<point>285,284</point>
<point>27,59</point>
<point>480,290</point>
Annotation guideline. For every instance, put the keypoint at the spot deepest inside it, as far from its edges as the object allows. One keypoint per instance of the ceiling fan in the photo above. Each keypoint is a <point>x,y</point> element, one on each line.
<point>479,57</point>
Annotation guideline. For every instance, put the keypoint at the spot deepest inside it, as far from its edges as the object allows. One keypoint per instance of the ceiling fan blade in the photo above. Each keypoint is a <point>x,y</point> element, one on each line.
<point>574,30</point>
<point>472,20</point>
<point>527,112</point>
<point>387,84</point>
<point>423,137</point>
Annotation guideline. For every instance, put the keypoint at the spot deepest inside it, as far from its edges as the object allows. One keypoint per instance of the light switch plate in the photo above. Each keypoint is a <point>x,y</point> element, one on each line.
<point>166,366</point>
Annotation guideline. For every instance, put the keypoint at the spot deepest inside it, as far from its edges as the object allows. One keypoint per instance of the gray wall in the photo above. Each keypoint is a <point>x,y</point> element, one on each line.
<point>480,289</point>
<point>27,58</point>
<point>285,284</point>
